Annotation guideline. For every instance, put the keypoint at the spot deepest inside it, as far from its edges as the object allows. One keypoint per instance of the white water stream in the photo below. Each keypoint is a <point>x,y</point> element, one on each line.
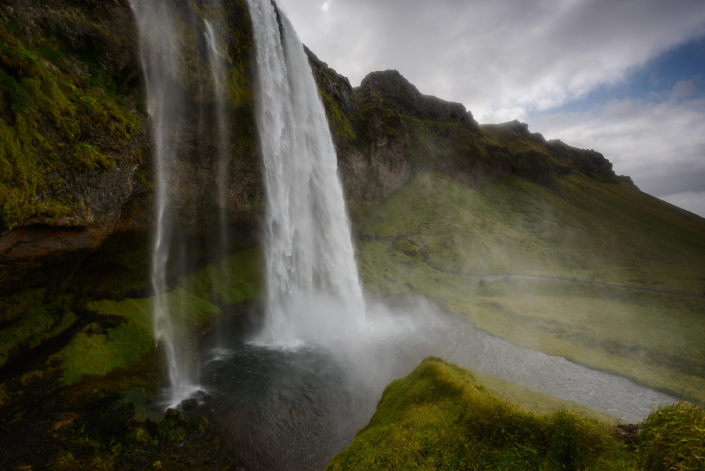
<point>170,110</point>
<point>312,286</point>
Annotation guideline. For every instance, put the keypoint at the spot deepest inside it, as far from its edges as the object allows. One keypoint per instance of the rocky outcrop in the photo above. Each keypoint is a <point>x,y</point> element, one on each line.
<point>395,132</point>
<point>403,98</point>
<point>386,131</point>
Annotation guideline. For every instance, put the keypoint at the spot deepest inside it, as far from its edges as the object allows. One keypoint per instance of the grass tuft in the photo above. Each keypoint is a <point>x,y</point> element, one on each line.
<point>673,438</point>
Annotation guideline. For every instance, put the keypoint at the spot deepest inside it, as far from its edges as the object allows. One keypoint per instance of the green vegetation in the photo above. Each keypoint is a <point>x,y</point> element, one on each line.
<point>653,339</point>
<point>339,123</point>
<point>51,123</point>
<point>128,344</point>
<point>91,158</point>
<point>233,280</point>
<point>442,417</point>
<point>93,352</point>
<point>673,438</point>
<point>18,305</point>
<point>448,141</point>
<point>574,228</point>
<point>43,323</point>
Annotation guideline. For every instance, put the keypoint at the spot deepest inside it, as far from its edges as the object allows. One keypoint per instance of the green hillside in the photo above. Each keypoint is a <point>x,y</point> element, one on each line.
<point>438,238</point>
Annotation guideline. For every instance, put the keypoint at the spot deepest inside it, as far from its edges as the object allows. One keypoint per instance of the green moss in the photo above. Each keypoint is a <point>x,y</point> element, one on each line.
<point>91,158</point>
<point>233,280</point>
<point>492,289</point>
<point>52,125</point>
<point>538,402</point>
<point>143,177</point>
<point>131,343</point>
<point>239,87</point>
<point>407,248</point>
<point>442,417</point>
<point>18,305</point>
<point>42,323</point>
<point>339,122</point>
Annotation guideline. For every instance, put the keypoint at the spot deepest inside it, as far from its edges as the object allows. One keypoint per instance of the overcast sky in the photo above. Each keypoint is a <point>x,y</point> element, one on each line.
<point>623,77</point>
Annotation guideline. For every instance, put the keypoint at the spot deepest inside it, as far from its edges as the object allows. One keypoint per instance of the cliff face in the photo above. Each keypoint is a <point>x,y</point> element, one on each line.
<point>386,131</point>
<point>76,159</point>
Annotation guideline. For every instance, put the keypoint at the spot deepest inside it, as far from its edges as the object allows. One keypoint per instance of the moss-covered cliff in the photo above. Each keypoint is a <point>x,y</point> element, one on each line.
<point>386,132</point>
<point>76,169</point>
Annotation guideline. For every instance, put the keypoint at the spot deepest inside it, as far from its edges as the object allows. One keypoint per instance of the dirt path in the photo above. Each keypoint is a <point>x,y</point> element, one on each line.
<point>578,282</point>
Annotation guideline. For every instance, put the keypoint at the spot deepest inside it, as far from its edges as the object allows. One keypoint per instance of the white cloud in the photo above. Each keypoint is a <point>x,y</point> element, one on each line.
<point>691,201</point>
<point>503,58</point>
<point>661,145</point>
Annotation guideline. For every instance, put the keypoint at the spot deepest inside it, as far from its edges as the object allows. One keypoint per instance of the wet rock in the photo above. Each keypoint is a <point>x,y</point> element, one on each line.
<point>203,396</point>
<point>154,418</point>
<point>135,396</point>
<point>140,416</point>
<point>188,404</point>
<point>176,434</point>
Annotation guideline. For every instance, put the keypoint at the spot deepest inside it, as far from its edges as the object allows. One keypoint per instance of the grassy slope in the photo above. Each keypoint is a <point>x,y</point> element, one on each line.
<point>429,234</point>
<point>442,417</point>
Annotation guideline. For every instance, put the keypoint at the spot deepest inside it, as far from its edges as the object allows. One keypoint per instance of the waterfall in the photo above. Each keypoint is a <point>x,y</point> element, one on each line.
<point>218,73</point>
<point>312,277</point>
<point>170,110</point>
<point>165,103</point>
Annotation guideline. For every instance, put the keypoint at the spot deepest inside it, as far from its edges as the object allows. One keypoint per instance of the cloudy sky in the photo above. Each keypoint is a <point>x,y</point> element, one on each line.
<point>624,77</point>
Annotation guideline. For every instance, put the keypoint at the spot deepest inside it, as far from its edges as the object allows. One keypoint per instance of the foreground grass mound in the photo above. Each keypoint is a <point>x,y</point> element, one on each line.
<point>441,417</point>
<point>673,438</point>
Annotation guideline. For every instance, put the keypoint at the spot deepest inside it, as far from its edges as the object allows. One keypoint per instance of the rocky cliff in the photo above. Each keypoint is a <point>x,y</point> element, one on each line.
<point>76,182</point>
<point>386,131</point>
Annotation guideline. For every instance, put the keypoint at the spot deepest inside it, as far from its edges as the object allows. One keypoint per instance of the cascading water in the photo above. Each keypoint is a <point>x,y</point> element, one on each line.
<point>169,108</point>
<point>310,262</point>
<point>162,70</point>
<point>218,73</point>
